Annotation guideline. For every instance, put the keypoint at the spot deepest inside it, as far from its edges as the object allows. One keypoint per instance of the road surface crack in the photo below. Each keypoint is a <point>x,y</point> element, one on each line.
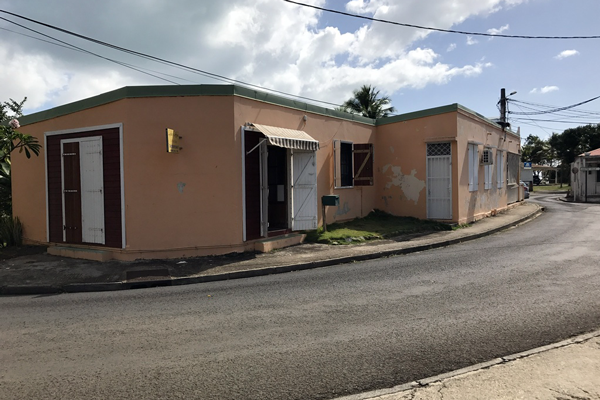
<point>442,387</point>
<point>572,396</point>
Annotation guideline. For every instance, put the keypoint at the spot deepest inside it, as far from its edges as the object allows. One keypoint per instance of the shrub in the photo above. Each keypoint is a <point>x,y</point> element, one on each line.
<point>11,231</point>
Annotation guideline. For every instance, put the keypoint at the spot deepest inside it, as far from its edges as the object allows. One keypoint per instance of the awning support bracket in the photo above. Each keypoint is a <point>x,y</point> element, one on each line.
<point>255,147</point>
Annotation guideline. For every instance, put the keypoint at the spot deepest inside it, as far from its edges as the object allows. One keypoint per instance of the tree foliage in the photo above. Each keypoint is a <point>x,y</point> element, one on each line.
<point>11,140</point>
<point>561,148</point>
<point>536,150</point>
<point>575,141</point>
<point>367,102</point>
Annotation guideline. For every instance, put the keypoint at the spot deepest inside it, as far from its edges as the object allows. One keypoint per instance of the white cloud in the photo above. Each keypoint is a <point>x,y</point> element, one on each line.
<point>451,47</point>
<point>544,90</point>
<point>266,42</point>
<point>34,76</point>
<point>566,53</point>
<point>494,31</point>
<point>471,41</point>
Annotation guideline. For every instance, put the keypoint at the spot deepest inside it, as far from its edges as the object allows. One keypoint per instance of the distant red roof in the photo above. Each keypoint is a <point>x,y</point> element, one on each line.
<point>592,153</point>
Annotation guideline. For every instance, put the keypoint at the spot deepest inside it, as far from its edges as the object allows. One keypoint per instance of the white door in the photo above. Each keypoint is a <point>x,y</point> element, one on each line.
<point>92,190</point>
<point>439,181</point>
<point>304,190</point>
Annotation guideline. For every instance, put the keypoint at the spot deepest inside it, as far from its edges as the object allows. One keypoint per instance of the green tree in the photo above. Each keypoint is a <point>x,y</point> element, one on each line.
<point>572,142</point>
<point>536,150</point>
<point>367,102</point>
<point>11,140</point>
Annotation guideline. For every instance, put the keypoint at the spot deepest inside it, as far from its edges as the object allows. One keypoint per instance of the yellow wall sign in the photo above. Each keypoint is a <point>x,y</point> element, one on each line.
<point>172,141</point>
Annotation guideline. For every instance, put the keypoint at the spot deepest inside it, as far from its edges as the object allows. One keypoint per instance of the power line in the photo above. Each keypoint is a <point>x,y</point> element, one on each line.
<point>89,52</point>
<point>163,61</point>
<point>438,29</point>
<point>534,123</point>
<point>551,111</point>
<point>559,121</point>
<point>526,105</point>
<point>75,48</point>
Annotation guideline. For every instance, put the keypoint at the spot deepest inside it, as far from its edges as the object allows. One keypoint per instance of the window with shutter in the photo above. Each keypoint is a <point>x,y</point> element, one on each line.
<point>487,160</point>
<point>473,156</point>
<point>500,168</point>
<point>353,164</point>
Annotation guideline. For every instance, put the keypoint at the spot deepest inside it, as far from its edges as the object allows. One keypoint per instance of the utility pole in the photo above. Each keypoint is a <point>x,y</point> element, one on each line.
<point>503,108</point>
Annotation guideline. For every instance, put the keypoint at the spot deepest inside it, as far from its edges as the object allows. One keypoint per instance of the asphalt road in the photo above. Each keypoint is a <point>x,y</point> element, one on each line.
<point>315,334</point>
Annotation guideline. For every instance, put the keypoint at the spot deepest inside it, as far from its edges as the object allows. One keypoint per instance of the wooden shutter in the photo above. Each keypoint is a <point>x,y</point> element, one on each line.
<point>363,164</point>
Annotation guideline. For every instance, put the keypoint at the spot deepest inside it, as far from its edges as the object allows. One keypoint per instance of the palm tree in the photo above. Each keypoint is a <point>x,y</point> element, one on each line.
<point>366,101</point>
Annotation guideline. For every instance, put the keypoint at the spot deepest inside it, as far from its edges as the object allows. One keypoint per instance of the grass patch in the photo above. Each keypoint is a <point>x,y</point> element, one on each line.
<point>376,225</point>
<point>551,188</point>
<point>460,226</point>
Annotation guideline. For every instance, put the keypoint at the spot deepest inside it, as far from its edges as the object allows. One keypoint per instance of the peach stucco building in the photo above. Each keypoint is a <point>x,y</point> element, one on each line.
<point>252,166</point>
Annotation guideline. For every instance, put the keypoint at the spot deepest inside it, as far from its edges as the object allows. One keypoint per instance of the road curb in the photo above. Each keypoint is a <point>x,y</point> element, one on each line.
<point>473,368</point>
<point>251,273</point>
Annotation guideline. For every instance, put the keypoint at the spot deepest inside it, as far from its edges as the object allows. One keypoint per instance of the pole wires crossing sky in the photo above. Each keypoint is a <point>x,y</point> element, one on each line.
<point>562,115</point>
<point>146,56</point>
<point>437,29</point>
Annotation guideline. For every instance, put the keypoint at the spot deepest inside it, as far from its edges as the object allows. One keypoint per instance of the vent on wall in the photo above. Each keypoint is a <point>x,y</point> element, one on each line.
<point>486,157</point>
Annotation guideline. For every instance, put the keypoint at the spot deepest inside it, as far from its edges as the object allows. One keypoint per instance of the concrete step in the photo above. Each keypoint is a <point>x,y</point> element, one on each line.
<point>278,242</point>
<point>86,253</point>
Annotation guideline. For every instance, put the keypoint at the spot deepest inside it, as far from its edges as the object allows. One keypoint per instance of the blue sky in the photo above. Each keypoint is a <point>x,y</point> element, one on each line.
<point>320,55</point>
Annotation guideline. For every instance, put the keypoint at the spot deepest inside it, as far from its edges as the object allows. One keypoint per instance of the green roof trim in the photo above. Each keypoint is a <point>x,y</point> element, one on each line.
<point>435,111</point>
<point>418,114</point>
<point>129,92</point>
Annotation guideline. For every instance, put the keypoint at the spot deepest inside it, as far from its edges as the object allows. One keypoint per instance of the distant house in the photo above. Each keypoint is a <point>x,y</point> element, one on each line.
<point>585,177</point>
<point>252,168</point>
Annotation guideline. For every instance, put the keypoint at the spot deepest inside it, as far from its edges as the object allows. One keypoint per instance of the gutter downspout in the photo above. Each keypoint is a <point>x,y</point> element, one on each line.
<point>586,179</point>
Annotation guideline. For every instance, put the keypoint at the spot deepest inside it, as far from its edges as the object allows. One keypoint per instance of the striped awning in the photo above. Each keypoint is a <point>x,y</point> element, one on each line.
<point>288,138</point>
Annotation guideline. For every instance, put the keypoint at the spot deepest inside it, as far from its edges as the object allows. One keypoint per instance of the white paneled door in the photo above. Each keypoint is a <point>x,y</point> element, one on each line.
<point>92,190</point>
<point>304,190</point>
<point>439,181</point>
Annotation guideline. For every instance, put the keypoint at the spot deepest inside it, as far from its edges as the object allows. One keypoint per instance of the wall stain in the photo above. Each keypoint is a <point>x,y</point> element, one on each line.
<point>385,200</point>
<point>410,185</point>
<point>180,187</point>
<point>343,210</point>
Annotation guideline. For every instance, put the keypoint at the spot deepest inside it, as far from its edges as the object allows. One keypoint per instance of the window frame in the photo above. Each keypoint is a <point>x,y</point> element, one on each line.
<point>337,166</point>
<point>487,169</point>
<point>512,178</point>
<point>500,168</point>
<point>473,157</point>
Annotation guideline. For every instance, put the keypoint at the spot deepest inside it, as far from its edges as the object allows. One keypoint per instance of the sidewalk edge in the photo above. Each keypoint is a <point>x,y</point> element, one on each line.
<point>250,273</point>
<point>473,368</point>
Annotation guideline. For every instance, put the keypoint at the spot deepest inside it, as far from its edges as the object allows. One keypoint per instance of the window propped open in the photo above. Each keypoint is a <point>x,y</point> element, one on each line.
<point>353,164</point>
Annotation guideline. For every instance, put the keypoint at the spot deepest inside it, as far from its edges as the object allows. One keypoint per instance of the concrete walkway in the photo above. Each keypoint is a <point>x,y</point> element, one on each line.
<point>43,273</point>
<point>568,370</point>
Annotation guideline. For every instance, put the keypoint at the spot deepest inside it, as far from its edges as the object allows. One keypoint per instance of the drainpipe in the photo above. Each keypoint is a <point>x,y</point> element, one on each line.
<point>586,179</point>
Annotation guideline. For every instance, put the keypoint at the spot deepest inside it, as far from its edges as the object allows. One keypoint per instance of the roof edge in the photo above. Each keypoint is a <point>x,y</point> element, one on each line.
<point>186,90</point>
<point>455,107</point>
<point>418,114</point>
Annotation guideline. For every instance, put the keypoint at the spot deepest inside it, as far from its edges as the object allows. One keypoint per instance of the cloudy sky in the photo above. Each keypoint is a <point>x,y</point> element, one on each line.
<point>311,53</point>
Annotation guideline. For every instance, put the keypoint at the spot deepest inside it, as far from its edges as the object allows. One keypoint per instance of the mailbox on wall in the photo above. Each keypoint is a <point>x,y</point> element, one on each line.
<point>330,200</point>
